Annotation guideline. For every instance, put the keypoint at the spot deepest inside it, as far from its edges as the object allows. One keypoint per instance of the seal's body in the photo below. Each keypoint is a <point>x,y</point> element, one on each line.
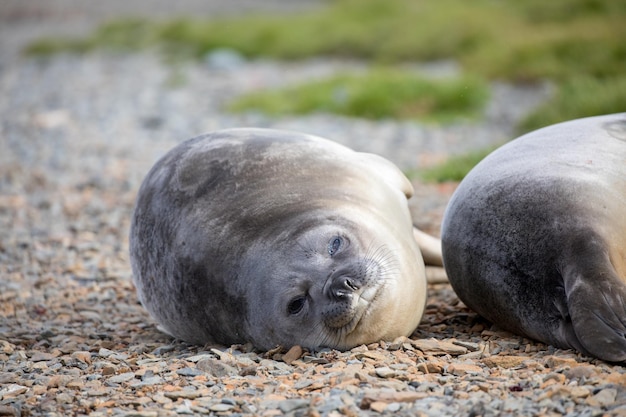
<point>534,238</point>
<point>276,238</point>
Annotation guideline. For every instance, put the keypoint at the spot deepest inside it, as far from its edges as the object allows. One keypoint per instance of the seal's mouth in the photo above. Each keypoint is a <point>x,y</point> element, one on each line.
<point>364,303</point>
<point>360,305</point>
<point>356,292</point>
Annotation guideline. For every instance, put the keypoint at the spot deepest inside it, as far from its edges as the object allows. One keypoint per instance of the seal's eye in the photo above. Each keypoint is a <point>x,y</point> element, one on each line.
<point>334,245</point>
<point>296,305</point>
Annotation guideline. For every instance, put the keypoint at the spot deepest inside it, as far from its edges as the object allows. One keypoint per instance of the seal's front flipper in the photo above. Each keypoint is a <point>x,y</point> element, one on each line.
<point>430,247</point>
<point>596,298</point>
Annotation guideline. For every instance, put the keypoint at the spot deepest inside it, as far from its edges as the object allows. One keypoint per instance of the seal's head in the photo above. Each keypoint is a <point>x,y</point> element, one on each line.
<point>336,283</point>
<point>277,238</point>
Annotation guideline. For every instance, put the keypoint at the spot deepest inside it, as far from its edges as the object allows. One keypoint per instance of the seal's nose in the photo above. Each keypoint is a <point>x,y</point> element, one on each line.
<point>343,286</point>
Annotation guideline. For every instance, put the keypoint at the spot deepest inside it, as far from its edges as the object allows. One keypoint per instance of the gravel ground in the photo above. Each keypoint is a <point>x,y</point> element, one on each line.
<point>77,135</point>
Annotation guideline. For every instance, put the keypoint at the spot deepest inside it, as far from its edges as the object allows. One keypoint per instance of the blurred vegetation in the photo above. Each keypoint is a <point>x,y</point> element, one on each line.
<point>516,40</point>
<point>521,41</point>
<point>376,94</point>
<point>580,97</point>
<point>578,45</point>
<point>453,169</point>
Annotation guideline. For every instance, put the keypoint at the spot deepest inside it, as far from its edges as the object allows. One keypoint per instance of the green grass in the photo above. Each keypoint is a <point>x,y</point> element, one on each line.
<point>579,45</point>
<point>580,97</point>
<point>454,168</point>
<point>525,41</point>
<point>516,40</point>
<point>120,35</point>
<point>376,94</point>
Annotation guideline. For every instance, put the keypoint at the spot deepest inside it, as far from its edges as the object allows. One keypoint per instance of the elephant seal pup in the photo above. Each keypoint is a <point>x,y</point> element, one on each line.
<point>276,238</point>
<point>534,238</point>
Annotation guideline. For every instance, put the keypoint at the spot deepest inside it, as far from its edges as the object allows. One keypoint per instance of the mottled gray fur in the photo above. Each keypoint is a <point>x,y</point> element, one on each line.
<point>276,238</point>
<point>534,238</point>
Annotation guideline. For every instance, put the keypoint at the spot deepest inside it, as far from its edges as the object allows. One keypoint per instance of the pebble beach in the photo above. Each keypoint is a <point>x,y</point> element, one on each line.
<point>77,136</point>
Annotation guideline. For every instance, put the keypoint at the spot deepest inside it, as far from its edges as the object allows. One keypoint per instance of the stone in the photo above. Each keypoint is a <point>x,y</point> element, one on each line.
<point>618,378</point>
<point>292,354</point>
<point>378,406</point>
<point>12,391</point>
<point>8,377</point>
<point>57,381</point>
<point>98,392</point>
<point>581,371</point>
<point>385,372</point>
<point>199,357</point>
<point>216,368</point>
<point>471,346</point>
<point>559,361</point>
<point>42,356</point>
<point>9,411</point>
<point>604,397</point>
<point>432,366</point>
<point>398,343</point>
<point>148,381</point>
<point>6,347</point>
<point>184,394</point>
<point>162,350</point>
<point>124,377</point>
<point>221,407</point>
<point>579,392</point>
<point>387,397</point>
<point>370,354</point>
<point>504,361</point>
<point>287,406</point>
<point>105,353</point>
<point>76,385</point>
<point>393,407</point>
<point>189,371</point>
<point>143,413</point>
<point>82,356</point>
<point>460,369</point>
<point>303,383</point>
<point>108,370</point>
<point>64,398</point>
<point>438,347</point>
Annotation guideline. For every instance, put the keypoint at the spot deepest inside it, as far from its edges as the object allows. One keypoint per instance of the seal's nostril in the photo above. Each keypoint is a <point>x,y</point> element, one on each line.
<point>351,284</point>
<point>343,287</point>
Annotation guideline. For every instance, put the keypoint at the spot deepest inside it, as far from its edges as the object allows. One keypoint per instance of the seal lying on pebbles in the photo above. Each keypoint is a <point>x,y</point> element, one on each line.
<point>277,238</point>
<point>534,238</point>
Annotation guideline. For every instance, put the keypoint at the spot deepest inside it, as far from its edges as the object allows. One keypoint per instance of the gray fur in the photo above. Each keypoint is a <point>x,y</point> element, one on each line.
<point>229,228</point>
<point>534,238</point>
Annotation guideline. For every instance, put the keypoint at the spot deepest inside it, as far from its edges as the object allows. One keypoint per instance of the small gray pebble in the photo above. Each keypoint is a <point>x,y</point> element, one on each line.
<point>288,406</point>
<point>189,372</point>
